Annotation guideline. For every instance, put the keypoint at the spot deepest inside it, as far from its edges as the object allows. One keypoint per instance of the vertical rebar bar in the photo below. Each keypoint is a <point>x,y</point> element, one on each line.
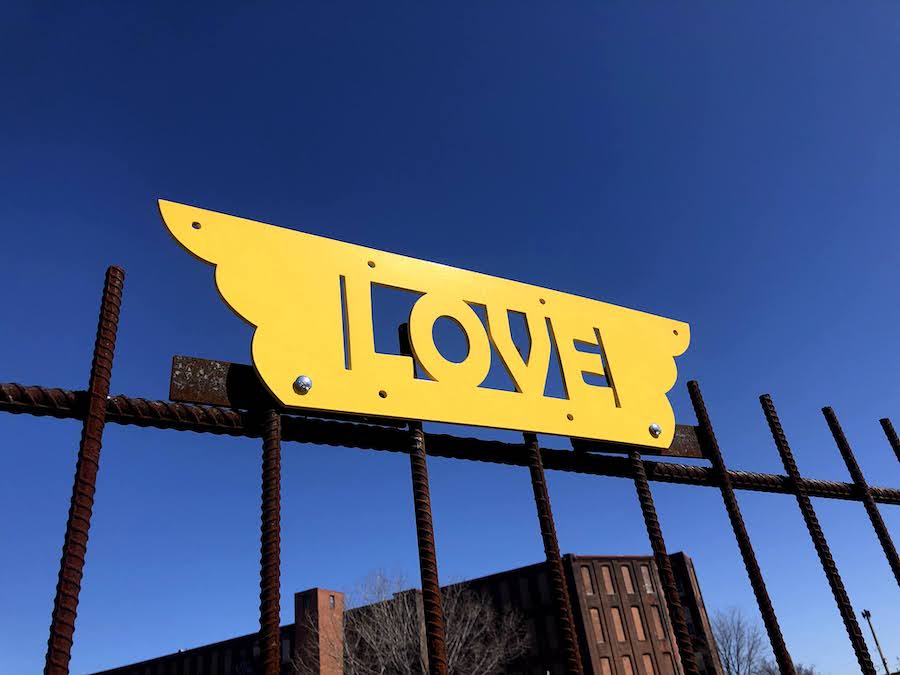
<point>432,607</point>
<point>74,550</point>
<point>818,537</point>
<point>865,494</point>
<point>714,454</point>
<point>558,584</point>
<point>666,575</point>
<point>270,547</point>
<point>431,588</point>
<point>891,436</point>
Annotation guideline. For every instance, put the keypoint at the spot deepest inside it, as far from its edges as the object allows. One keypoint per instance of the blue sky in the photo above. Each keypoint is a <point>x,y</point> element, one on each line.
<point>733,165</point>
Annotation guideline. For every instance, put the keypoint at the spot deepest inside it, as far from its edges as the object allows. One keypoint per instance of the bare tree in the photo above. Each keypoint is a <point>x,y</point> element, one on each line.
<point>740,643</point>
<point>384,633</point>
<point>742,646</point>
<point>771,668</point>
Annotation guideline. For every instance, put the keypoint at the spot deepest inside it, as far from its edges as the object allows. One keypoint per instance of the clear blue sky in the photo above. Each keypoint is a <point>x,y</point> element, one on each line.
<point>733,165</point>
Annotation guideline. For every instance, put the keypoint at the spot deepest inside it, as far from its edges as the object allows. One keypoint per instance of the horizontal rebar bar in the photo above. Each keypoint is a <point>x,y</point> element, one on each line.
<point>63,404</point>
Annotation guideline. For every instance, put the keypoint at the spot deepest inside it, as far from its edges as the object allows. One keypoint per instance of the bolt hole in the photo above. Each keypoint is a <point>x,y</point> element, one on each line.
<point>570,417</point>
<point>371,263</point>
<point>543,302</point>
<point>675,331</point>
<point>196,225</point>
<point>382,393</point>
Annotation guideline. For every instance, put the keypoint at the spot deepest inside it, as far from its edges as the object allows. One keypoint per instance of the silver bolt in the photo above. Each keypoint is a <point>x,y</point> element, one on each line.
<point>302,385</point>
<point>655,430</point>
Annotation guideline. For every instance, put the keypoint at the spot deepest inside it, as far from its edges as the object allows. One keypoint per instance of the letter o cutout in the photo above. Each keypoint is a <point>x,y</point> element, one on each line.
<point>471,371</point>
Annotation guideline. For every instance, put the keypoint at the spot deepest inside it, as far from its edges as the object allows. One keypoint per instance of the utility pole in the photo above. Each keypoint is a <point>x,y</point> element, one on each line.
<point>867,615</point>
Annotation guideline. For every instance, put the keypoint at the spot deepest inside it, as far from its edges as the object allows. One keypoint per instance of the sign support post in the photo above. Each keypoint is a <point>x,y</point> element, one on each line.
<point>270,549</point>
<point>554,561</point>
<point>435,626</point>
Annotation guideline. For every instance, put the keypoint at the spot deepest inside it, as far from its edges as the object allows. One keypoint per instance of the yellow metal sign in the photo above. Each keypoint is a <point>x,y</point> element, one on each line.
<point>310,299</point>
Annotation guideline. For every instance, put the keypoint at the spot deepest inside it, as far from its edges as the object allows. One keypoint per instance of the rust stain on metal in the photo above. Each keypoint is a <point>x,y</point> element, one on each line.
<point>432,607</point>
<point>818,537</point>
<point>661,555</point>
<point>236,385</point>
<point>66,404</point>
<point>754,573</point>
<point>435,638</point>
<point>881,531</point>
<point>270,547</point>
<point>891,436</point>
<point>229,399</point>
<point>560,588</point>
<point>74,551</point>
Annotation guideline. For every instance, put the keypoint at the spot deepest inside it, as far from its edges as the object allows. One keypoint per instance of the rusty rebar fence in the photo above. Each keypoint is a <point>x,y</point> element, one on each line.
<point>231,406</point>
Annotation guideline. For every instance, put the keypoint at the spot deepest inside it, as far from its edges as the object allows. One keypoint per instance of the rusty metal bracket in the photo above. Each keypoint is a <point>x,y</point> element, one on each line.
<point>236,385</point>
<point>685,444</point>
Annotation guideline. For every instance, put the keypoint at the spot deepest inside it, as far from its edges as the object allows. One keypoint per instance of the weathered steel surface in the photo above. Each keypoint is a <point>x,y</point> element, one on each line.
<point>236,385</point>
<point>666,575</point>
<point>65,404</point>
<point>270,547</point>
<point>684,444</point>
<point>881,531</point>
<point>891,436</point>
<point>558,584</point>
<point>435,639</point>
<point>74,550</point>
<point>818,537</point>
<point>712,451</point>
<point>208,382</point>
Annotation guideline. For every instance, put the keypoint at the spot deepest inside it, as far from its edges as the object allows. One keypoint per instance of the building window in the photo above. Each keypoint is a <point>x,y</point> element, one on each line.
<point>586,580</point>
<point>605,667</point>
<point>657,623</point>
<point>648,665</point>
<point>670,662</point>
<point>607,580</point>
<point>331,601</point>
<point>618,627</point>
<point>648,581</point>
<point>627,668</point>
<point>285,649</point>
<point>638,624</point>
<point>627,580</point>
<point>598,627</point>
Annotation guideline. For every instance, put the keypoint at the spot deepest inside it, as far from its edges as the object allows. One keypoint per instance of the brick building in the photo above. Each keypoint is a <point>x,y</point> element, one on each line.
<point>620,616</point>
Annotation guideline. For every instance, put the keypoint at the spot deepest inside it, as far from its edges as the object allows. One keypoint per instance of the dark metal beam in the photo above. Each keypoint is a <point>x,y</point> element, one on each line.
<point>63,404</point>
<point>236,385</point>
